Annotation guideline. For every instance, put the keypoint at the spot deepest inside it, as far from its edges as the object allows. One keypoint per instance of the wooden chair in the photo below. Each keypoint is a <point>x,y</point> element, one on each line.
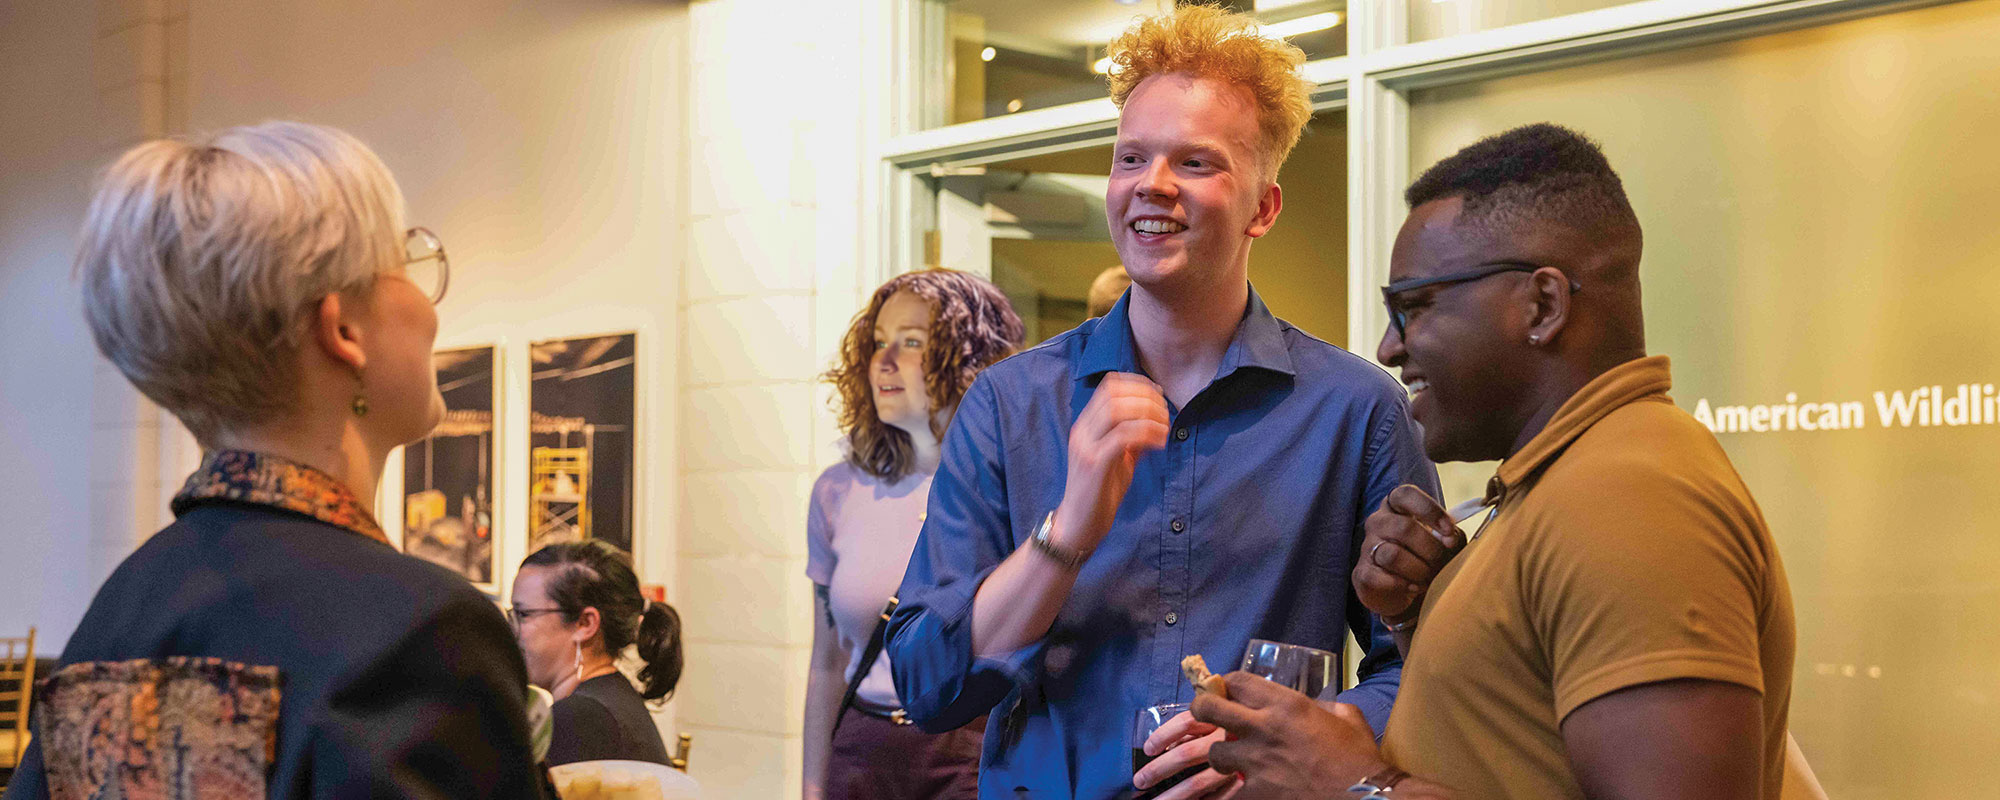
<point>17,691</point>
<point>679,760</point>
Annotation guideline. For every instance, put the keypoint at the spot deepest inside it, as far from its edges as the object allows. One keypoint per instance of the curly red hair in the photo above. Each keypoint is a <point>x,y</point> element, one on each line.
<point>972,326</point>
<point>1207,41</point>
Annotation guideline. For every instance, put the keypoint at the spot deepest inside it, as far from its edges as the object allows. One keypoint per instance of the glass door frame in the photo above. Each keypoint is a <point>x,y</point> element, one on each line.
<point>1372,83</point>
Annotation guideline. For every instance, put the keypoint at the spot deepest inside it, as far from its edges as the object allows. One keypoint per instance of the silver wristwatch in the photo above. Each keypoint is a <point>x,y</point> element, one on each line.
<point>1070,559</point>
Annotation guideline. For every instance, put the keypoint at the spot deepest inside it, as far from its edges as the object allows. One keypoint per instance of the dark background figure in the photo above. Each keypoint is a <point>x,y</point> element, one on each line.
<point>1105,290</point>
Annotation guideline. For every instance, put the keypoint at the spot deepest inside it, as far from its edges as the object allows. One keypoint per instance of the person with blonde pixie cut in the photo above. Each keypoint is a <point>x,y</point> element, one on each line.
<point>259,284</point>
<point>907,359</point>
<point>1175,478</point>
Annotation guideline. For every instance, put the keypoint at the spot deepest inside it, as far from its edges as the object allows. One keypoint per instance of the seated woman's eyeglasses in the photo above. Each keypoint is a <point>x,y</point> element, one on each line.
<point>425,262</point>
<point>515,615</point>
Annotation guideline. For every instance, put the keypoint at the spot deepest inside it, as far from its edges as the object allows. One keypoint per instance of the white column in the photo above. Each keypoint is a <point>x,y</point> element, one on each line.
<point>138,452</point>
<point>773,234</point>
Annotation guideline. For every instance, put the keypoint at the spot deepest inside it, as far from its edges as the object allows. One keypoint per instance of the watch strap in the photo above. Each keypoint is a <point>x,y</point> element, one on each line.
<point>1070,559</point>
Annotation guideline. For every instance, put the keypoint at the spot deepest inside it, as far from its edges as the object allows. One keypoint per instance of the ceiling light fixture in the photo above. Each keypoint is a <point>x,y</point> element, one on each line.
<point>1013,105</point>
<point>1306,24</point>
<point>1102,66</point>
<point>988,54</point>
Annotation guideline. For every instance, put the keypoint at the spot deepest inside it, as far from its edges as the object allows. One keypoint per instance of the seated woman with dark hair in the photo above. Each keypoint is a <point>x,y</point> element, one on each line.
<point>576,608</point>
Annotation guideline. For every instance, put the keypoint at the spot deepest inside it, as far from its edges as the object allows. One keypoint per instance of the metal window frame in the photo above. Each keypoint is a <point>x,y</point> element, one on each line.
<point>1373,83</point>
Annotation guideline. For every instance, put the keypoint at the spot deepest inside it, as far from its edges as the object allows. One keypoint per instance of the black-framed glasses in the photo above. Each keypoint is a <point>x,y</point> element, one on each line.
<point>425,262</point>
<point>1399,317</point>
<point>515,615</point>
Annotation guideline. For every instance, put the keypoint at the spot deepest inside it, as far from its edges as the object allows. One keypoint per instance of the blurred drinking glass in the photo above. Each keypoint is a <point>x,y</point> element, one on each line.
<point>1305,670</point>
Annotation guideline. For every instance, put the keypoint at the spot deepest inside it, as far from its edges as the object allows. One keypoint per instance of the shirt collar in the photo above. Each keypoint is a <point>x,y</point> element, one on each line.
<point>240,476</point>
<point>1259,342</point>
<point>1621,385</point>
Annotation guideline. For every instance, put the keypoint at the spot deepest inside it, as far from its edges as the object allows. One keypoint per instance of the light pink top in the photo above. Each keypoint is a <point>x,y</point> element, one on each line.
<point>859,535</point>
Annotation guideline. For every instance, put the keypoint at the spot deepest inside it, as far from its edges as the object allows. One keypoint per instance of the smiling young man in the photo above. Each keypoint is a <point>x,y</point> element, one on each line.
<point>1178,477</point>
<point>1621,626</point>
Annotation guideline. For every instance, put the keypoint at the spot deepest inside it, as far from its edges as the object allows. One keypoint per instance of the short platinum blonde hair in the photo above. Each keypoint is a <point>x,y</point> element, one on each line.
<point>203,259</point>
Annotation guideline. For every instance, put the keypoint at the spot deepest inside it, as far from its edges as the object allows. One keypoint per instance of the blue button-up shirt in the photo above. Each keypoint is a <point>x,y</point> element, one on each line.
<point>1244,527</point>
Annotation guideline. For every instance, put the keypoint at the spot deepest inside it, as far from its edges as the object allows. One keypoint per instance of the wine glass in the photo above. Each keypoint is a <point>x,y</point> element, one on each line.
<point>1306,670</point>
<point>1150,719</point>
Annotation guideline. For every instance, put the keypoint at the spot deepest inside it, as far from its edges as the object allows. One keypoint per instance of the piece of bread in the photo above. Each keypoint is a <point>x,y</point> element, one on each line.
<point>1196,670</point>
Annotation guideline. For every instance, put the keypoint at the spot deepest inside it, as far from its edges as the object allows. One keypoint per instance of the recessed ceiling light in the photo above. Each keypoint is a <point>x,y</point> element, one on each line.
<point>988,54</point>
<point>1013,105</point>
<point>1102,66</point>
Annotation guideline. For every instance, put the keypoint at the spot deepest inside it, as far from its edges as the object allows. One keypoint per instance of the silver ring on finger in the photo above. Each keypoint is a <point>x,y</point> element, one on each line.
<point>1371,552</point>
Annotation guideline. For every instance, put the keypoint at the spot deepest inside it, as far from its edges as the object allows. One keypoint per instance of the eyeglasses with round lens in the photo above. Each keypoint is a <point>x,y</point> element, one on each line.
<point>425,263</point>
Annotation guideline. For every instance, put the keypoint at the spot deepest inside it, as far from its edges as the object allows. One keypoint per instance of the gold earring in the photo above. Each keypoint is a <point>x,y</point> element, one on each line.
<point>360,404</point>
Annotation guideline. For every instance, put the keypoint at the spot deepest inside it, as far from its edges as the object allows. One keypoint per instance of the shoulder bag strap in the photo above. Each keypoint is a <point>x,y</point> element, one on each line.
<point>868,656</point>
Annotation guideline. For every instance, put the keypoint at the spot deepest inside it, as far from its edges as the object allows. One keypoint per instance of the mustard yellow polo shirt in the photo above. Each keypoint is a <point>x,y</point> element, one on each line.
<point>1625,550</point>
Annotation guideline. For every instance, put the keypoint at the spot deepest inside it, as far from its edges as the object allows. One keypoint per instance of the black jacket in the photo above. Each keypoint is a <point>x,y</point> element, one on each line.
<point>398,679</point>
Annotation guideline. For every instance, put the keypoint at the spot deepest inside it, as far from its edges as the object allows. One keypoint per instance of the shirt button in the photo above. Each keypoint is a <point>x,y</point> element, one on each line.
<point>1181,434</point>
<point>1173,618</point>
<point>1178,525</point>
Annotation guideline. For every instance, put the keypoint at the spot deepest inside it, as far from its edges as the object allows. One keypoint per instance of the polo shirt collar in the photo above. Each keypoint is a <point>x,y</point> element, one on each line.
<point>1621,385</point>
<point>1259,342</point>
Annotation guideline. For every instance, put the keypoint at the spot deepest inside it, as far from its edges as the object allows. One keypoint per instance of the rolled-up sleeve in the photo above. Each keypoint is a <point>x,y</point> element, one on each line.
<point>1395,457</point>
<point>967,533</point>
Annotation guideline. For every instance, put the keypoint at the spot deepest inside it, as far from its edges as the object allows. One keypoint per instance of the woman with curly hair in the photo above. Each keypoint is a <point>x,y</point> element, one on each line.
<point>905,362</point>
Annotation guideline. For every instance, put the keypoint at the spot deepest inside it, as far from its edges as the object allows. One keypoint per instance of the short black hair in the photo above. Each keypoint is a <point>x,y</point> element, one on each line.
<point>1541,172</point>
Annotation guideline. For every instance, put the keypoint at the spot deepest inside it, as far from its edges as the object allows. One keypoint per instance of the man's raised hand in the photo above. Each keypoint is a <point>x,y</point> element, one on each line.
<point>1125,419</point>
<point>1409,540</point>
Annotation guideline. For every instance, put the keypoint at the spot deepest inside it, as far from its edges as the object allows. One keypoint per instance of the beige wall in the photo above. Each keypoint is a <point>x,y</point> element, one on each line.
<point>541,141</point>
<point>777,114</point>
<point>48,365</point>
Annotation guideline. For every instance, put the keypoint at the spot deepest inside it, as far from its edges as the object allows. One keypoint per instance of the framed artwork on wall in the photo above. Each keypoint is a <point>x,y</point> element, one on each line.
<point>582,439</point>
<point>448,478</point>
